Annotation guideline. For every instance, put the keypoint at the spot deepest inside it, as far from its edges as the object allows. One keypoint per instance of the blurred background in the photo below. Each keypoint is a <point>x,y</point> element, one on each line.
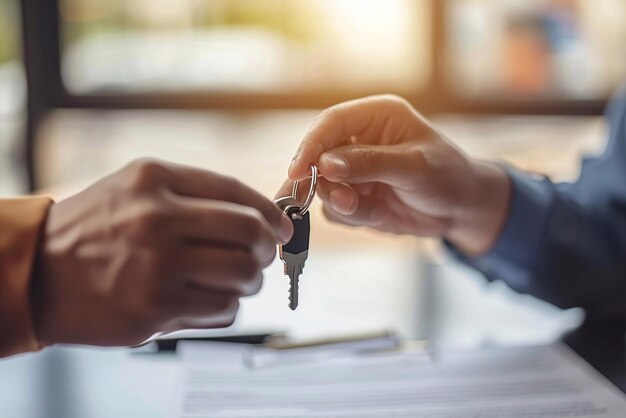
<point>232,85</point>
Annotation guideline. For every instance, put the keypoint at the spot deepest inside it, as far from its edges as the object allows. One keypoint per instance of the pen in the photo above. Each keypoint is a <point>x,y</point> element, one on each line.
<point>284,353</point>
<point>169,345</point>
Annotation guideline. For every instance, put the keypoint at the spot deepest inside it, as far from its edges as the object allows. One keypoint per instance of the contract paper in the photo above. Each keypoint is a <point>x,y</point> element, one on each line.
<point>526,382</point>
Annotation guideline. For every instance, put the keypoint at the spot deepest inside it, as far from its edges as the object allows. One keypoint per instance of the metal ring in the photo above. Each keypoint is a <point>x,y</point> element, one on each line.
<point>307,203</point>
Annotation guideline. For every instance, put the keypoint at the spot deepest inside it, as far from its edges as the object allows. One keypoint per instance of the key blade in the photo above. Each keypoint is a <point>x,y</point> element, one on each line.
<point>294,265</point>
<point>295,253</point>
<point>293,292</point>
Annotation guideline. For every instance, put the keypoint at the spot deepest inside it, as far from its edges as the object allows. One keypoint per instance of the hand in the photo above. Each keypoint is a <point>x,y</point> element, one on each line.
<point>384,166</point>
<point>153,247</point>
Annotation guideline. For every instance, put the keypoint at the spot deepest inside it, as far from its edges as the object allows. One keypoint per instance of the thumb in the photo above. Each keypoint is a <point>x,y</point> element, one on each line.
<point>396,165</point>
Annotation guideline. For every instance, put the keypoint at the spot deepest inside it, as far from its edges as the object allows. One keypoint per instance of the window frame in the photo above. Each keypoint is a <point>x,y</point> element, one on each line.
<point>46,90</point>
<point>434,98</point>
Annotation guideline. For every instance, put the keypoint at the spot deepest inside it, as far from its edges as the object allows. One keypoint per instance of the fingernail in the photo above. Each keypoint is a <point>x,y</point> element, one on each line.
<point>341,201</point>
<point>286,229</point>
<point>338,165</point>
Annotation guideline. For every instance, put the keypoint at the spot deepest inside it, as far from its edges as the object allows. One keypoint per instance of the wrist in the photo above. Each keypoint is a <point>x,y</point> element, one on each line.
<point>45,292</point>
<point>477,224</point>
<point>39,280</point>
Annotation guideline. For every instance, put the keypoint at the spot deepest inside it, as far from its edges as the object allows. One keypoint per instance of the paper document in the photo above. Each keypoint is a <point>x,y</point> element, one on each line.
<point>527,382</point>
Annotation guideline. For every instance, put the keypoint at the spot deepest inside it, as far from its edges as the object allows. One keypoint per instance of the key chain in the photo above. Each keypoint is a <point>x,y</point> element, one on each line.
<point>295,253</point>
<point>287,202</point>
<point>309,198</point>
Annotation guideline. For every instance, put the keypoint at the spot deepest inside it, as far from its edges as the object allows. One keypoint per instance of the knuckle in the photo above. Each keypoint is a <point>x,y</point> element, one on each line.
<point>394,101</point>
<point>370,158</point>
<point>419,157</point>
<point>152,218</point>
<point>419,160</point>
<point>145,172</point>
<point>331,115</point>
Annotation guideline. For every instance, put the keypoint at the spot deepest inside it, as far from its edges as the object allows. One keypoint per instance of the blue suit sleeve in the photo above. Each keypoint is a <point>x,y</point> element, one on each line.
<point>566,243</point>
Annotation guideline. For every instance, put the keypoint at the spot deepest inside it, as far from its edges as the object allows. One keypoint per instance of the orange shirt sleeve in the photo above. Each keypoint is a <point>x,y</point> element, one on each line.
<point>20,223</point>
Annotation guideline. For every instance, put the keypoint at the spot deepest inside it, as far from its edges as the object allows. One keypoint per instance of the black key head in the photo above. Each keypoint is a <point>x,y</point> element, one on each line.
<point>301,231</point>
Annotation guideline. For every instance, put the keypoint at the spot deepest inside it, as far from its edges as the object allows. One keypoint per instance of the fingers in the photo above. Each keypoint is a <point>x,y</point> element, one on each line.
<point>375,213</point>
<point>198,308</point>
<point>206,284</point>
<point>342,198</point>
<point>400,166</point>
<point>194,182</point>
<point>218,223</point>
<point>220,270</point>
<point>370,212</point>
<point>368,118</point>
<point>379,217</point>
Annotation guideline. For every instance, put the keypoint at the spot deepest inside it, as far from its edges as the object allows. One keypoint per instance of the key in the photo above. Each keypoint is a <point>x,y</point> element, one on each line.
<point>296,251</point>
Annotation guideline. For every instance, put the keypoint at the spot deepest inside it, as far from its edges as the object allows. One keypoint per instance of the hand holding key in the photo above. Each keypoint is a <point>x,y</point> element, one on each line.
<point>384,166</point>
<point>154,247</point>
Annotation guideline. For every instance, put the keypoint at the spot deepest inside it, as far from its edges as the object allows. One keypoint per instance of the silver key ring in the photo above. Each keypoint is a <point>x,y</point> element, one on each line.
<point>309,198</point>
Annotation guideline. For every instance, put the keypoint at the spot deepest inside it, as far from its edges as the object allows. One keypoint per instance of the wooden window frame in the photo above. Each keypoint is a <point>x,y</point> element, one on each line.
<point>46,90</point>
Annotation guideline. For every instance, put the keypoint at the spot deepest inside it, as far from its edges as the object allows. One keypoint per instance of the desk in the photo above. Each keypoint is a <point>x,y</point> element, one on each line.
<point>65,382</point>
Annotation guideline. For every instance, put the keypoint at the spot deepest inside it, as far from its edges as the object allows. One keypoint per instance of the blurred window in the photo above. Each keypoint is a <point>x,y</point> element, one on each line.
<point>11,72</point>
<point>245,46</point>
<point>570,49</point>
<point>12,97</point>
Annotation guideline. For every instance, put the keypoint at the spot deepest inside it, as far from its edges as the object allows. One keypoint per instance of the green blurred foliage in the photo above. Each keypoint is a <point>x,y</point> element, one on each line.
<point>290,19</point>
<point>9,31</point>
